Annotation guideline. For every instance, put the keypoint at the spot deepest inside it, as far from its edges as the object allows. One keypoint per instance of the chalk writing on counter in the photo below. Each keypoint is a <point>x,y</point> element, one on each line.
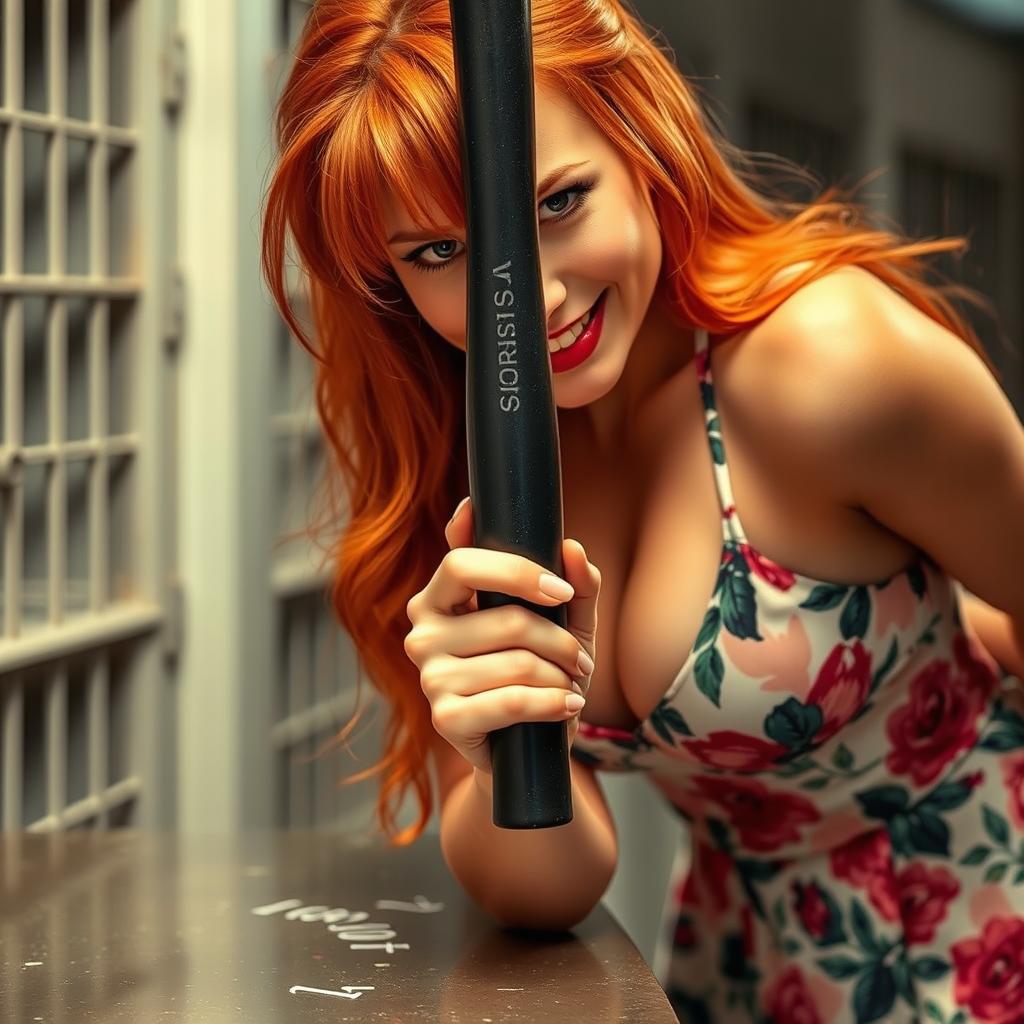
<point>421,906</point>
<point>351,926</point>
<point>347,991</point>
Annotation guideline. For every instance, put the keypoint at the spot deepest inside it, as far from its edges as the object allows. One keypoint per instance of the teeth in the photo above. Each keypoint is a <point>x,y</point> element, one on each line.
<point>567,338</point>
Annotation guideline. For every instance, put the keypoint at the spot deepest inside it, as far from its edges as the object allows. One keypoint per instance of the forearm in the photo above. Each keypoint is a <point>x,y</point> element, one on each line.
<point>547,878</point>
<point>996,630</point>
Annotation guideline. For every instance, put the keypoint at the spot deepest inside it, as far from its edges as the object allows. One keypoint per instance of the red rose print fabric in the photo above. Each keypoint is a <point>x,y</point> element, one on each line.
<point>851,765</point>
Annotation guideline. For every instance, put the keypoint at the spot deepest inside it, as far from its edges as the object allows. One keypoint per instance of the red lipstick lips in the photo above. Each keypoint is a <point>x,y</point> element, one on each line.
<point>568,358</point>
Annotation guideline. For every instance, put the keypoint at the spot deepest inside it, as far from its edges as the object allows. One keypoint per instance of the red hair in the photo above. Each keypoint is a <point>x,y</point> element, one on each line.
<point>370,104</point>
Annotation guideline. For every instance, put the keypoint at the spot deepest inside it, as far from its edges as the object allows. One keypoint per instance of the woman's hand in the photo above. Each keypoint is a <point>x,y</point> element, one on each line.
<point>484,670</point>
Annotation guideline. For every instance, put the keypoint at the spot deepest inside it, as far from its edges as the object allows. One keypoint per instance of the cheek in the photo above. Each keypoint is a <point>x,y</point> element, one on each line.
<point>609,253</point>
<point>623,248</point>
<point>642,238</point>
<point>442,305</point>
<point>450,327</point>
<point>645,239</point>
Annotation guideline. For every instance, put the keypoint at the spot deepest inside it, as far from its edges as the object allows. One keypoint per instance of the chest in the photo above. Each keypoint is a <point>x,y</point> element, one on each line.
<point>651,521</point>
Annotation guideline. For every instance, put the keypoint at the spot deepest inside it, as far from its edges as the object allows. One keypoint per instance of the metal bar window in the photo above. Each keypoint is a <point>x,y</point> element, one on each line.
<point>819,148</point>
<point>941,197</point>
<point>75,314</point>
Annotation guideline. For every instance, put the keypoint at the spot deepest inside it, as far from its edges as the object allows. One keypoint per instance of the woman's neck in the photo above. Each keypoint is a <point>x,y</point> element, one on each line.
<point>606,427</point>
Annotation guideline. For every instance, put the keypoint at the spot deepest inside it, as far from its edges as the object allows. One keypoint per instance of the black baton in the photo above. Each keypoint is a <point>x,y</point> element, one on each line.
<point>514,468</point>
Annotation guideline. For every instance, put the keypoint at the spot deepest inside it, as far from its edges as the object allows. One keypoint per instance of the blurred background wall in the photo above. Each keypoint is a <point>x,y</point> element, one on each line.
<point>167,656</point>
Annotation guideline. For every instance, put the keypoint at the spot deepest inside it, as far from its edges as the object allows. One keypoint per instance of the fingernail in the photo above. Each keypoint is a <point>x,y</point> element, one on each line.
<point>459,506</point>
<point>576,686</point>
<point>573,702</point>
<point>554,587</point>
<point>585,662</point>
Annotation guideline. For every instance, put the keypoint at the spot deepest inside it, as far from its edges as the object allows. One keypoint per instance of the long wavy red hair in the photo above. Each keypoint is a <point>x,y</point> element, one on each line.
<point>370,104</point>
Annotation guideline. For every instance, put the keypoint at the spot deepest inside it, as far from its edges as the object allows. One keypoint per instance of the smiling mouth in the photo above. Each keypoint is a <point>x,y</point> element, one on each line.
<point>568,336</point>
<point>583,342</point>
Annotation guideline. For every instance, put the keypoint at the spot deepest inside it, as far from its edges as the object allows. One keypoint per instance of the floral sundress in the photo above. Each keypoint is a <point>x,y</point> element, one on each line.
<point>850,762</point>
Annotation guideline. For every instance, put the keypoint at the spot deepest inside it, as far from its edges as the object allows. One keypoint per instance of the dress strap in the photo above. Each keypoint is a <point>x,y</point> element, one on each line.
<point>730,517</point>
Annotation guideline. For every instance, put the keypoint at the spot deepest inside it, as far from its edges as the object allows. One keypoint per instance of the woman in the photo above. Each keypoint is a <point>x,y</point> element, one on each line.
<point>849,754</point>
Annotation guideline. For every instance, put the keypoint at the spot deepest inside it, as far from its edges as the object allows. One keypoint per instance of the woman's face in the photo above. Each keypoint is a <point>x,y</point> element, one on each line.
<point>598,233</point>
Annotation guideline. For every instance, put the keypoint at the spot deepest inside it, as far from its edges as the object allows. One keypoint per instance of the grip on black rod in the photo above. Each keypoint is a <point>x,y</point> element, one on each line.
<point>511,426</point>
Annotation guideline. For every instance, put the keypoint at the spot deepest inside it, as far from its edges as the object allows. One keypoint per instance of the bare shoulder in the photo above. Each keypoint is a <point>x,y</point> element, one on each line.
<point>818,368</point>
<point>833,325</point>
<point>847,345</point>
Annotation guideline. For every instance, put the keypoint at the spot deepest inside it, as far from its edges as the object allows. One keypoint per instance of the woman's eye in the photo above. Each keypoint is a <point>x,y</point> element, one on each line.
<point>443,248</point>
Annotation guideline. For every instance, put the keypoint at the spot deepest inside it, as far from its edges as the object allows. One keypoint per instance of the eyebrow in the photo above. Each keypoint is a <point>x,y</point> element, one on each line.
<point>549,180</point>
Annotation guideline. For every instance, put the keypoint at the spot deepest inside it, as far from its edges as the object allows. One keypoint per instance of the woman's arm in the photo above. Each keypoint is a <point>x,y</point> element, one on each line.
<point>996,631</point>
<point>919,436</point>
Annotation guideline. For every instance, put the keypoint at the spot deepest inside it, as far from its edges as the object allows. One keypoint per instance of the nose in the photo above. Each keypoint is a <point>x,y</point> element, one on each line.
<point>554,302</point>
